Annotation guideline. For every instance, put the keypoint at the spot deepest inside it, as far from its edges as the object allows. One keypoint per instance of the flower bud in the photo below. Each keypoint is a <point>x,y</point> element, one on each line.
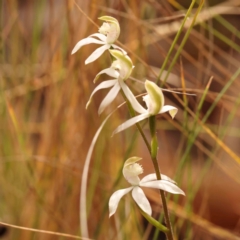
<point>154,99</point>
<point>110,28</point>
<point>123,63</point>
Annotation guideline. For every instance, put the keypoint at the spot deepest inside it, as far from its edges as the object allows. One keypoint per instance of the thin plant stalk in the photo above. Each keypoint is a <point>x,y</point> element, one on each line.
<point>153,152</point>
<point>175,41</point>
<point>179,50</point>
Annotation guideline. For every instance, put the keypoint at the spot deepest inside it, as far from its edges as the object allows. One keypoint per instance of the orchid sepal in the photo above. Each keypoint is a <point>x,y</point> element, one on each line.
<point>131,122</point>
<point>153,176</point>
<point>84,42</point>
<point>97,53</point>
<point>167,108</point>
<point>109,71</point>
<point>103,85</point>
<point>109,97</point>
<point>115,198</point>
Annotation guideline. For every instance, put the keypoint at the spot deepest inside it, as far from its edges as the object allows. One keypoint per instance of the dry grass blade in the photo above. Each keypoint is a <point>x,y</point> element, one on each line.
<point>64,235</point>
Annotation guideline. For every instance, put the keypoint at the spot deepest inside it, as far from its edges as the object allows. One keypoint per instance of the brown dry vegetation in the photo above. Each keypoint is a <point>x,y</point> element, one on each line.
<point>45,130</point>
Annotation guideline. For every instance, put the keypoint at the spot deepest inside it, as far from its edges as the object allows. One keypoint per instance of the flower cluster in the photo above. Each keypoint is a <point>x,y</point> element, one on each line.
<point>119,71</point>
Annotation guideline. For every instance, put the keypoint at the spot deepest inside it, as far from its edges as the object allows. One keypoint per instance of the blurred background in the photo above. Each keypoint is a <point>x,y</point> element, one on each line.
<point>45,131</point>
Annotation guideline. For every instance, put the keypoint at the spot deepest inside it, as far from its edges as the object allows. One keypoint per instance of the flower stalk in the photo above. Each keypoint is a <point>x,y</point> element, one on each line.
<point>154,150</point>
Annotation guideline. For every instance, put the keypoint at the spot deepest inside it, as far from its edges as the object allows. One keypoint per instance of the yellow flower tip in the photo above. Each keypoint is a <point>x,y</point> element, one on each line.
<point>155,101</point>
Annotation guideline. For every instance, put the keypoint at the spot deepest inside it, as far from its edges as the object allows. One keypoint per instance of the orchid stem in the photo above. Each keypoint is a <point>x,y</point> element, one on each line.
<point>154,150</point>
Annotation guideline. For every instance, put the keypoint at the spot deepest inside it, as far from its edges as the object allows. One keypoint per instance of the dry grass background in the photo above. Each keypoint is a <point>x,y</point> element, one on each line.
<point>46,131</point>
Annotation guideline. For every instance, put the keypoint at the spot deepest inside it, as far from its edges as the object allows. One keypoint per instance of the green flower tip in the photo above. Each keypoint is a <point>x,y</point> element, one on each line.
<point>96,78</point>
<point>173,112</point>
<point>131,161</point>
<point>109,19</point>
<point>125,63</point>
<point>156,98</point>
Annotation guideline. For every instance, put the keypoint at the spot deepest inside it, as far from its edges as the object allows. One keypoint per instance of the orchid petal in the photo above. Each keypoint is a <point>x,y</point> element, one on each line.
<point>152,176</point>
<point>85,41</point>
<point>97,53</point>
<point>164,185</point>
<point>115,198</point>
<point>117,47</point>
<point>103,85</point>
<point>141,200</point>
<point>130,122</point>
<point>135,104</point>
<point>109,98</point>
<point>172,110</point>
<point>100,36</point>
<point>109,71</point>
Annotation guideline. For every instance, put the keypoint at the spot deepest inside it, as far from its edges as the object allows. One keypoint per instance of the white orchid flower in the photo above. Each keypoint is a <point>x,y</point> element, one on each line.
<point>120,70</point>
<point>155,105</point>
<point>108,34</point>
<point>131,170</point>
